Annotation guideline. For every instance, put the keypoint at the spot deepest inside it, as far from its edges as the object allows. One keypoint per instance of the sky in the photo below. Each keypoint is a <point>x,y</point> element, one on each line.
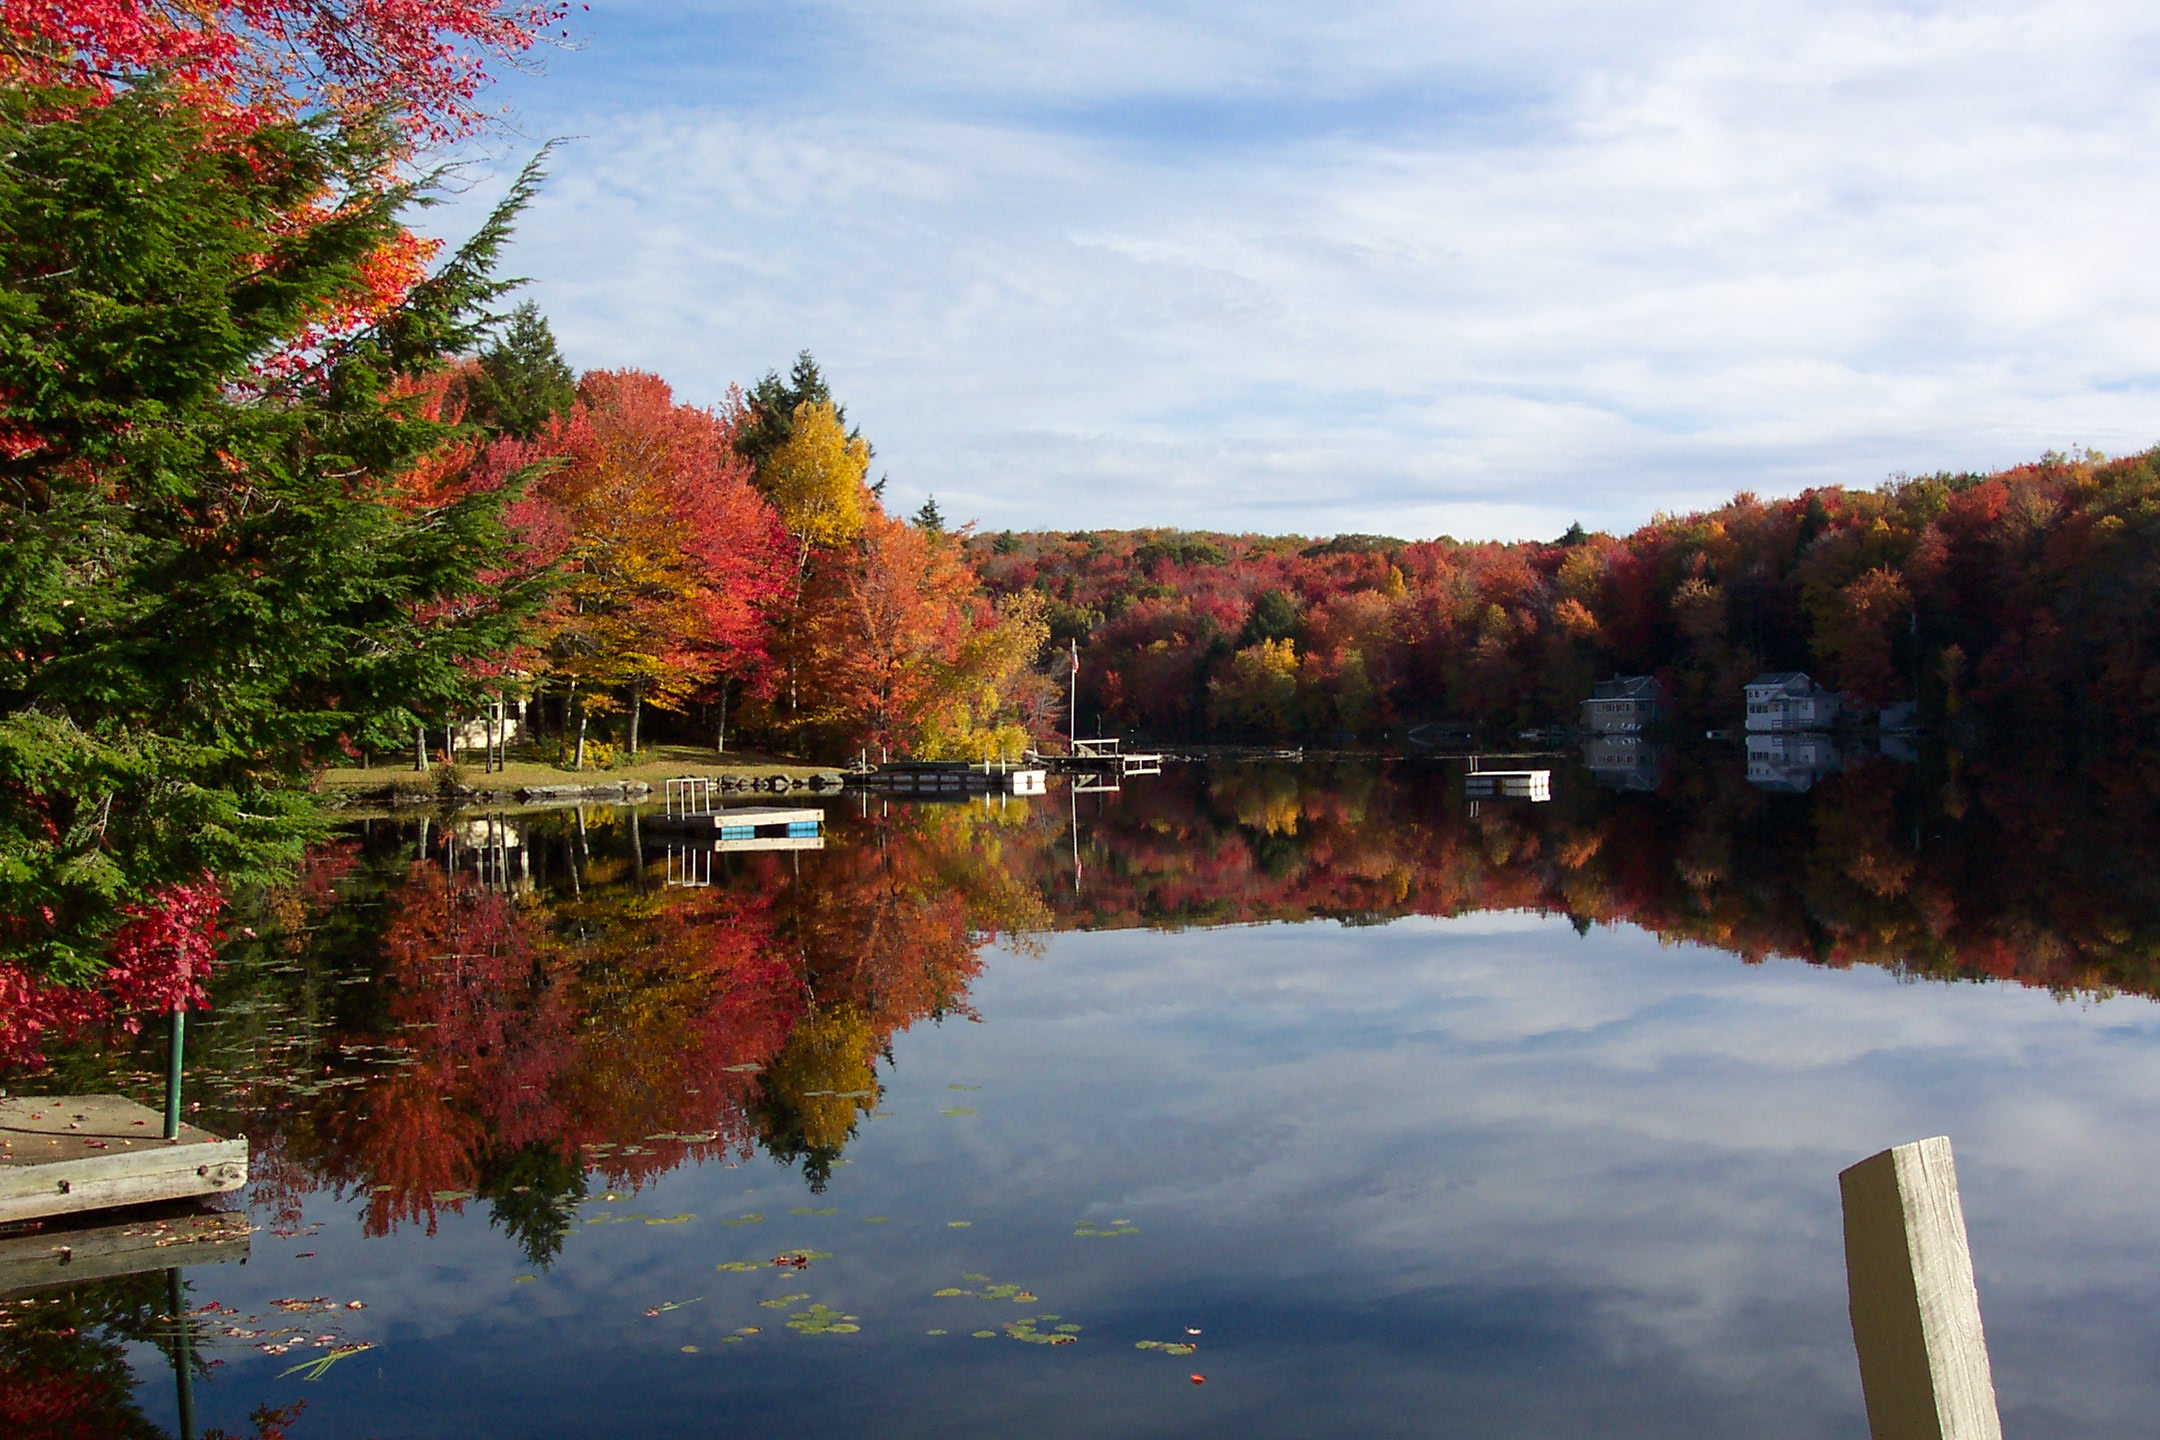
<point>1476,269</point>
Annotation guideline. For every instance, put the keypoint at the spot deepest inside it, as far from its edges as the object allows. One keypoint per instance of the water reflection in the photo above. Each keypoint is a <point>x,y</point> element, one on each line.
<point>519,1016</point>
<point>512,1008</point>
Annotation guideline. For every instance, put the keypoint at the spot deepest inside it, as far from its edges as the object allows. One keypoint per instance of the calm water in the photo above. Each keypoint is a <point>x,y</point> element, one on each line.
<point>1412,1120</point>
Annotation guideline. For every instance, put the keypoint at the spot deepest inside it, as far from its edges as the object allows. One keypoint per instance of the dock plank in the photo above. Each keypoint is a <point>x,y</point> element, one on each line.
<point>63,1154</point>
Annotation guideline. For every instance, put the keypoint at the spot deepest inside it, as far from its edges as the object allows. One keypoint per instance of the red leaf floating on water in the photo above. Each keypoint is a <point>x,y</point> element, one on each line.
<point>1199,1379</point>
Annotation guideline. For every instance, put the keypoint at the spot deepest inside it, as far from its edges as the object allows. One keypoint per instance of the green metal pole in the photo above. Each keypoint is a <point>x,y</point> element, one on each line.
<point>172,1074</point>
<point>182,1351</point>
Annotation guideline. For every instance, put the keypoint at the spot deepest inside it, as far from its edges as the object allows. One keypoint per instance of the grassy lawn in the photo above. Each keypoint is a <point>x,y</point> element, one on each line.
<point>655,764</point>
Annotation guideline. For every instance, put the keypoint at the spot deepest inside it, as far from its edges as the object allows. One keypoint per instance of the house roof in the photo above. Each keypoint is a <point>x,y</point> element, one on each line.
<point>1777,679</point>
<point>1626,687</point>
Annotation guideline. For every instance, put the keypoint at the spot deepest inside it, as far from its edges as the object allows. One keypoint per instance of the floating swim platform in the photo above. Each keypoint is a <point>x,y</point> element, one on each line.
<point>741,822</point>
<point>60,1154</point>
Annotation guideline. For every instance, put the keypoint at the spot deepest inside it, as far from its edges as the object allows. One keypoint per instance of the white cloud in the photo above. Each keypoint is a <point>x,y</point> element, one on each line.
<point>1388,267</point>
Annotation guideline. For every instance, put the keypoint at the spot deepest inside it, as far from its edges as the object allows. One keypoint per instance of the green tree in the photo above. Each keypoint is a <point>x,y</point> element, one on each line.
<point>525,380</point>
<point>771,406</point>
<point>209,582</point>
<point>1274,616</point>
<point>930,518</point>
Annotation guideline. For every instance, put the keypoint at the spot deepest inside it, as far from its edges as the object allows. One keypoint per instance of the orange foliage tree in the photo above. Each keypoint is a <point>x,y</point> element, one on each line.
<point>669,558</point>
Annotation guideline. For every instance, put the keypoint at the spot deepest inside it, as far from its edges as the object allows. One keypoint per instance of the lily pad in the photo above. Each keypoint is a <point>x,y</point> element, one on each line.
<point>822,1319</point>
<point>948,1292</point>
<point>738,1265</point>
<point>963,1087</point>
<point>1024,1331</point>
<point>751,1219</point>
<point>807,1210</point>
<point>782,1302</point>
<point>955,1110</point>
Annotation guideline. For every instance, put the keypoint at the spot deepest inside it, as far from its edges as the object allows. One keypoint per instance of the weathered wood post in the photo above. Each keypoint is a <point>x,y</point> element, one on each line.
<point>1915,1312</point>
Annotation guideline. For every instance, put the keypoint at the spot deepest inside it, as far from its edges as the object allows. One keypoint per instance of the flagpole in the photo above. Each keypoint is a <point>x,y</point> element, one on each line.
<point>1073,743</point>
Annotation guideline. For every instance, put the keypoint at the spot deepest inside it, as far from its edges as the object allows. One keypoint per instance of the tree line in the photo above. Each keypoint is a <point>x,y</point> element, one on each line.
<point>2016,603</point>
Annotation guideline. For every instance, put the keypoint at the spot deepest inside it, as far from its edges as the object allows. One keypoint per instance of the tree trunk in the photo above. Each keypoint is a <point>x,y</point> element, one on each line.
<point>487,739</point>
<point>579,763</point>
<point>637,704</point>
<point>720,736</point>
<point>419,748</point>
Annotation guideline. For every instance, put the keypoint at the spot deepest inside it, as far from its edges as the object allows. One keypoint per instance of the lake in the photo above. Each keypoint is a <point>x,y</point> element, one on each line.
<point>1256,1099</point>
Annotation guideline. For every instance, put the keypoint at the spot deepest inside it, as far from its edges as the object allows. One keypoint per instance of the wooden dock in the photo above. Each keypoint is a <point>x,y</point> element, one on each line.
<point>953,778</point>
<point>64,1154</point>
<point>1107,756</point>
<point>158,1238</point>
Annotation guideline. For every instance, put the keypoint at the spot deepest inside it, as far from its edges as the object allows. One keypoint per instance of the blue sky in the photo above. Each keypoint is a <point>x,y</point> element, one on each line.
<point>1474,269</point>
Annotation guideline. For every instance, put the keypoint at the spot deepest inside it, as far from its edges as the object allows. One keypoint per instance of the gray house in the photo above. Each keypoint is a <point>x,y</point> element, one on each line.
<point>1789,701</point>
<point>1624,705</point>
<point>1624,762</point>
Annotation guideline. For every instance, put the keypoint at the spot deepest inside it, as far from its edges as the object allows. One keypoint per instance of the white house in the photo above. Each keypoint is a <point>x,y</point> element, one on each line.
<point>1623,705</point>
<point>1790,761</point>
<point>1789,701</point>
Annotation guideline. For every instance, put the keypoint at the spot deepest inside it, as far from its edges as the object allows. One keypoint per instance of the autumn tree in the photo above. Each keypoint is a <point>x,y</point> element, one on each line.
<point>272,61</point>
<point>668,557</point>
<point>1860,642</point>
<point>812,469</point>
<point>905,653</point>
<point>814,479</point>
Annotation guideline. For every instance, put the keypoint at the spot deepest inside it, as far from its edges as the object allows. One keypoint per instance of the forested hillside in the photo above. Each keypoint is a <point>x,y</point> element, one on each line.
<point>2024,598</point>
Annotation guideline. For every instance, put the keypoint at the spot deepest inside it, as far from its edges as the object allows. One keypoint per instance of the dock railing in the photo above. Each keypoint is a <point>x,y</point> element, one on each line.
<point>691,795</point>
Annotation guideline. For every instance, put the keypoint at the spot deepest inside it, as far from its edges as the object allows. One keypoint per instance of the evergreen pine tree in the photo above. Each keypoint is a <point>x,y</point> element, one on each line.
<point>929,517</point>
<point>527,381</point>
<point>772,403</point>
<point>208,581</point>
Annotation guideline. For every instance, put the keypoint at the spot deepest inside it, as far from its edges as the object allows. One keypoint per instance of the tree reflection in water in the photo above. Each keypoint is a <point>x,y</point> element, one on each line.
<point>424,1032</point>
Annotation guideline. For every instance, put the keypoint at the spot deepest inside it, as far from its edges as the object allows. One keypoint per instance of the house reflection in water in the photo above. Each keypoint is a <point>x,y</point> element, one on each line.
<point>1790,762</point>
<point>1625,762</point>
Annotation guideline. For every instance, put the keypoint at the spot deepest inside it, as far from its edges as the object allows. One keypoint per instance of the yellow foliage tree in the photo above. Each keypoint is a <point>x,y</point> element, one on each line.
<point>1259,692</point>
<point>815,479</point>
